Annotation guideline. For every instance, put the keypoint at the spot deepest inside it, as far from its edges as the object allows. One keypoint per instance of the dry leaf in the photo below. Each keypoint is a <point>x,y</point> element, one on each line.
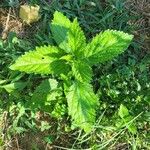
<point>29,14</point>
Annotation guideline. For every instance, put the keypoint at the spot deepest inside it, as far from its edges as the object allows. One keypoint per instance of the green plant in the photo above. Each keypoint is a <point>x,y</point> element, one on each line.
<point>125,118</point>
<point>71,63</point>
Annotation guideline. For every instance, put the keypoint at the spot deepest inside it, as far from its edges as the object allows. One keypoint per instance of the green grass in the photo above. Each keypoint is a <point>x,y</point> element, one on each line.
<point>125,80</point>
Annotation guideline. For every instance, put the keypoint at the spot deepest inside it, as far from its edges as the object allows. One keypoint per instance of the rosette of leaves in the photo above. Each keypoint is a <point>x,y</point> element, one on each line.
<point>72,62</point>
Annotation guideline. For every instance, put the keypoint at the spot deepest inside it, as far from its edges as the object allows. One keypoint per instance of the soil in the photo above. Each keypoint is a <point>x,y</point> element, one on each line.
<point>141,8</point>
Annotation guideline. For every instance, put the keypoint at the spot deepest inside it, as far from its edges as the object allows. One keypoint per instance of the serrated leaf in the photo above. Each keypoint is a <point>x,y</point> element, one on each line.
<point>82,71</point>
<point>37,61</point>
<point>123,111</point>
<point>44,94</point>
<point>107,45</point>
<point>59,27</point>
<point>76,39</point>
<point>51,51</point>
<point>82,104</point>
<point>60,67</point>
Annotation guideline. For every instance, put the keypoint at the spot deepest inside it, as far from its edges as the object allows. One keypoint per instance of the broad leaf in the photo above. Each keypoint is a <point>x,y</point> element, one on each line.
<point>82,104</point>
<point>14,86</point>
<point>82,71</point>
<point>37,61</point>
<point>51,51</point>
<point>123,111</point>
<point>126,118</point>
<point>107,45</point>
<point>59,27</point>
<point>60,67</point>
<point>76,39</point>
<point>44,95</point>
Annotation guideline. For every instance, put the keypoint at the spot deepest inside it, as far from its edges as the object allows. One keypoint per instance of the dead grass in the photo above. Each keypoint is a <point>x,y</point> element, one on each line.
<point>141,8</point>
<point>16,25</point>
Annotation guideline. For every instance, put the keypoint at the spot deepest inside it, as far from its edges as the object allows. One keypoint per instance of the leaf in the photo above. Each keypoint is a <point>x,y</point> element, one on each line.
<point>123,111</point>
<point>29,14</point>
<point>44,126</point>
<point>60,67</point>
<point>44,94</point>
<point>59,110</point>
<point>59,27</point>
<point>76,39</point>
<point>2,81</point>
<point>51,51</point>
<point>82,71</point>
<point>82,104</point>
<point>126,117</point>
<point>132,128</point>
<point>37,61</point>
<point>14,86</point>
<point>147,116</point>
<point>107,45</point>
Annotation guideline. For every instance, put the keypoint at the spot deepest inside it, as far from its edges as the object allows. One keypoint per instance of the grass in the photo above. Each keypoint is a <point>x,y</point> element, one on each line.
<point>125,80</point>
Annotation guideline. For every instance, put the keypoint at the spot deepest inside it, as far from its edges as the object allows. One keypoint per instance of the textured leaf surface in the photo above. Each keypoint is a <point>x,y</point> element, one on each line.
<point>82,104</point>
<point>51,51</point>
<point>107,45</point>
<point>76,39</point>
<point>37,61</point>
<point>82,71</point>
<point>59,27</point>
<point>44,94</point>
<point>60,67</point>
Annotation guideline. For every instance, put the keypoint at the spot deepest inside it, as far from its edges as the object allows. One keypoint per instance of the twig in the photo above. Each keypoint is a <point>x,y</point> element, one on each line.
<point>5,115</point>
<point>17,143</point>
<point>5,31</point>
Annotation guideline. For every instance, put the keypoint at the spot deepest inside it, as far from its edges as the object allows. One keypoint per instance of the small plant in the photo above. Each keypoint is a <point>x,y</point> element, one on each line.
<point>71,63</point>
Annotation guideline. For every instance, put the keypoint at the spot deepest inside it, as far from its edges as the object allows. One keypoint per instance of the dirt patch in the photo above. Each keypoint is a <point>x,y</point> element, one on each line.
<point>9,22</point>
<point>141,8</point>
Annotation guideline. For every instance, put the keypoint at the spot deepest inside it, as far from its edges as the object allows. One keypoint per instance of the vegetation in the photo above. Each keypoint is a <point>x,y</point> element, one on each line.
<point>71,91</point>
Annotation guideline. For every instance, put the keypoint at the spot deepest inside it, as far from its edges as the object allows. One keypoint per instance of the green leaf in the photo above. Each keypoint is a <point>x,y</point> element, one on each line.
<point>51,51</point>
<point>123,111</point>
<point>131,127</point>
<point>82,71</point>
<point>44,126</point>
<point>126,117</point>
<point>59,27</point>
<point>37,61</point>
<point>60,67</point>
<point>44,94</point>
<point>82,104</point>
<point>2,81</point>
<point>76,39</point>
<point>59,110</point>
<point>14,86</point>
<point>107,45</point>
